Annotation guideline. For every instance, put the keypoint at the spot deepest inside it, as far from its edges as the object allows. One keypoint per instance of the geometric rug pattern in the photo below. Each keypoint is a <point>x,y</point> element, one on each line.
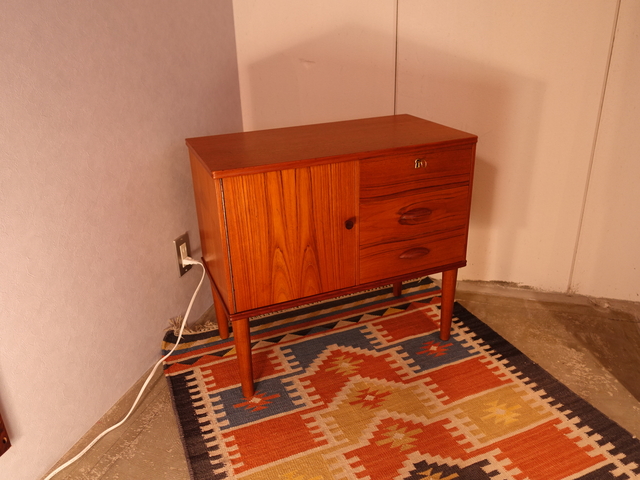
<point>362,387</point>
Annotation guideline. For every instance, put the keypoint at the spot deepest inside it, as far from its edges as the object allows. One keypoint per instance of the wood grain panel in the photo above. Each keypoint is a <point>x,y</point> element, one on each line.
<point>404,257</point>
<point>287,234</point>
<point>210,222</point>
<point>404,217</point>
<point>392,174</point>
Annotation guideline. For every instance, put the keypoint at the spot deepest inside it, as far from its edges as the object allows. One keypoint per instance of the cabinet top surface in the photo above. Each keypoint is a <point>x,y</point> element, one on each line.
<point>275,149</point>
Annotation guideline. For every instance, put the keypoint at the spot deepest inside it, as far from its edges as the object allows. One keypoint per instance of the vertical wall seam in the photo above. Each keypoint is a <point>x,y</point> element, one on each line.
<point>395,71</point>
<point>594,145</point>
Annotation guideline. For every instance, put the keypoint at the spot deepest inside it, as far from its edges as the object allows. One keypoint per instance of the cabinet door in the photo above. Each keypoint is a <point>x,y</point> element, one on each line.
<point>287,234</point>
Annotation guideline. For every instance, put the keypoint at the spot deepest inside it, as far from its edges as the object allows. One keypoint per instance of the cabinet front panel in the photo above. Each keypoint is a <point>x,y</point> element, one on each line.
<point>392,174</point>
<point>390,259</point>
<point>409,216</point>
<point>289,235</point>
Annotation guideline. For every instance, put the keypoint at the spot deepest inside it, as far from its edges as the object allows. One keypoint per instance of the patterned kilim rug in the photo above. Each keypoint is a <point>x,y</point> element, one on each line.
<point>361,387</point>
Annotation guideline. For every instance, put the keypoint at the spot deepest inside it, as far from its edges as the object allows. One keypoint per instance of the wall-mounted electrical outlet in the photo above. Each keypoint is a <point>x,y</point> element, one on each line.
<point>183,250</point>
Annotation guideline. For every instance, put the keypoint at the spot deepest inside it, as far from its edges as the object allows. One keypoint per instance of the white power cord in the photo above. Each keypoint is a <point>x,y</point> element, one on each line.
<point>186,261</point>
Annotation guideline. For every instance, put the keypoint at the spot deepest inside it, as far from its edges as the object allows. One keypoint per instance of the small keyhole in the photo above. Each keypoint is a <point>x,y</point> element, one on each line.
<point>349,224</point>
<point>420,163</point>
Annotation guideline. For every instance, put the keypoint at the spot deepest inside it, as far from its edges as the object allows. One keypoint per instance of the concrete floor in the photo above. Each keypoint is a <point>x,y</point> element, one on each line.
<point>591,345</point>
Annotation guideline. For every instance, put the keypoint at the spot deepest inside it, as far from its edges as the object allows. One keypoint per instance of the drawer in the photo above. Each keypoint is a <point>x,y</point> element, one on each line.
<point>392,259</point>
<point>419,168</point>
<point>402,217</point>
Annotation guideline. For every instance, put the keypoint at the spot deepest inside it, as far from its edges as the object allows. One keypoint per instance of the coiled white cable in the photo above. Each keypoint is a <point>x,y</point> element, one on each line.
<point>186,261</point>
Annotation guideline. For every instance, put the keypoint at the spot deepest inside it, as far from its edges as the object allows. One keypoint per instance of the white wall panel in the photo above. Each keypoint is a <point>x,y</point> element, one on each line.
<point>527,78</point>
<point>314,61</point>
<point>608,260</point>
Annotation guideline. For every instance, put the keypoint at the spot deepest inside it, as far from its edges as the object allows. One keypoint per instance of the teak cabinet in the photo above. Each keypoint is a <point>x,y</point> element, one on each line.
<point>294,215</point>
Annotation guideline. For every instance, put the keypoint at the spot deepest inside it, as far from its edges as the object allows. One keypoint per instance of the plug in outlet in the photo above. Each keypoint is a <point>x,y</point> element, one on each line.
<point>183,250</point>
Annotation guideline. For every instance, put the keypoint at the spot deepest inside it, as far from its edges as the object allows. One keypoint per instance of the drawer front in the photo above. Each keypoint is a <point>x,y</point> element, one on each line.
<point>402,217</point>
<point>391,259</point>
<point>392,174</point>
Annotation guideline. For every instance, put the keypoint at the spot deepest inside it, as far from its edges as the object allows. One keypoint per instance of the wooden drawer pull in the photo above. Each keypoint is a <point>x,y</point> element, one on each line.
<point>413,216</point>
<point>414,253</point>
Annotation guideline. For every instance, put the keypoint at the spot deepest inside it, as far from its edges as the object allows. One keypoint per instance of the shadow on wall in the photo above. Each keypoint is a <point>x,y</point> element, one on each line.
<point>338,77</point>
<point>504,110</point>
<point>346,74</point>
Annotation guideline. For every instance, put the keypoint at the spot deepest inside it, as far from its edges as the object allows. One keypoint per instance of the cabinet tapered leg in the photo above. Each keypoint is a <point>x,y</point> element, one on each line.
<point>242,339</point>
<point>221,316</point>
<point>397,289</point>
<point>449,278</point>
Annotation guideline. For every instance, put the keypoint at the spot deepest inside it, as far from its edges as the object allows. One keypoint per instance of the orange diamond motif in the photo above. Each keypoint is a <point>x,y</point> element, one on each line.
<point>256,403</point>
<point>434,348</point>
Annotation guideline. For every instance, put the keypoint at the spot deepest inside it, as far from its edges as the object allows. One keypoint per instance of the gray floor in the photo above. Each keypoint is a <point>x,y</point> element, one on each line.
<point>591,345</point>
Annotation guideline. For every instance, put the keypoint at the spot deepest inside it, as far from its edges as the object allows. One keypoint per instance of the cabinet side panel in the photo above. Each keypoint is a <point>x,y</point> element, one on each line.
<point>471,174</point>
<point>212,232</point>
<point>287,233</point>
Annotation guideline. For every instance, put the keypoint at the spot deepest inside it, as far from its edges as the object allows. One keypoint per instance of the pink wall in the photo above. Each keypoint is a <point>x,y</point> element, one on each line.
<point>314,61</point>
<point>97,99</point>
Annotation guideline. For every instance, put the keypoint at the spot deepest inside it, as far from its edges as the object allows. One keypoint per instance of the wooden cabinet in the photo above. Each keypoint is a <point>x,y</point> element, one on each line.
<point>293,215</point>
